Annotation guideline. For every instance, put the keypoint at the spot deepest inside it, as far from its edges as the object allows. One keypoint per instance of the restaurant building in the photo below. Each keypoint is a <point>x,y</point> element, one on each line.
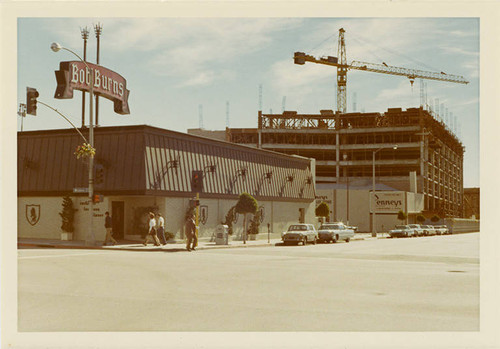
<point>142,168</point>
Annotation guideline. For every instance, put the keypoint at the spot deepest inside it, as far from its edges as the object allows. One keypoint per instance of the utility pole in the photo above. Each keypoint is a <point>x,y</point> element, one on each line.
<point>85,36</point>
<point>98,31</point>
<point>22,113</point>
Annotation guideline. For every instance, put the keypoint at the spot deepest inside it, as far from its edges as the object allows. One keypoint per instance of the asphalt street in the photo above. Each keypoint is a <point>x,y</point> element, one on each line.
<point>414,284</point>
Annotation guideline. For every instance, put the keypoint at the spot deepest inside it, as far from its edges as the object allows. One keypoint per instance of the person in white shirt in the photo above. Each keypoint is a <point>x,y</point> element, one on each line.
<point>161,229</point>
<point>152,231</point>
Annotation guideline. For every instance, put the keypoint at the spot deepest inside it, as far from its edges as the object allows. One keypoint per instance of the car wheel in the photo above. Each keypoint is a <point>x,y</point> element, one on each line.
<point>347,240</point>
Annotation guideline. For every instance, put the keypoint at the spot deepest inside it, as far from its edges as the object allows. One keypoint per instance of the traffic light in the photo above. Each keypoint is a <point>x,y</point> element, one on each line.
<point>31,96</point>
<point>97,198</point>
<point>194,203</point>
<point>197,181</point>
<point>99,174</point>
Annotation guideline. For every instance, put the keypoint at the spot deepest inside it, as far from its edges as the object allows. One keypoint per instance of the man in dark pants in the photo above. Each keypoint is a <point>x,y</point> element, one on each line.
<point>192,240</point>
<point>108,224</point>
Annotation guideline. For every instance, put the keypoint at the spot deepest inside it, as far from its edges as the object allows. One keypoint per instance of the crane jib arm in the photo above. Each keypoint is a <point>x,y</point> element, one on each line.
<point>410,73</point>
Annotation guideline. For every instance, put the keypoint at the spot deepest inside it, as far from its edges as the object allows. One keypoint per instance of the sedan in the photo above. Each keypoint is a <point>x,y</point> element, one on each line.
<point>442,229</point>
<point>297,233</point>
<point>429,230</point>
<point>333,232</point>
<point>401,231</point>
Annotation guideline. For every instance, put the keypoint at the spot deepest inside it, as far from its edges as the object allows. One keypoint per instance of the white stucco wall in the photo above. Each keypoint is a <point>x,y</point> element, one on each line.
<point>49,223</point>
<point>279,214</point>
<point>359,208</point>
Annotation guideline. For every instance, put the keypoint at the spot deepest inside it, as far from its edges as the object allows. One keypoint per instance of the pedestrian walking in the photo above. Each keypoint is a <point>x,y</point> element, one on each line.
<point>161,229</point>
<point>152,231</point>
<point>192,239</point>
<point>108,224</point>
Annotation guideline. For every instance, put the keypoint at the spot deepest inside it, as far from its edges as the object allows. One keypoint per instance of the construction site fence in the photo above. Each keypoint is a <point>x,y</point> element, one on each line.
<point>462,225</point>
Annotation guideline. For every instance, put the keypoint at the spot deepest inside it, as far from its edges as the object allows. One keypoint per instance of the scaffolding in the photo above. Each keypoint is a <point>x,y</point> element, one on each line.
<point>343,142</point>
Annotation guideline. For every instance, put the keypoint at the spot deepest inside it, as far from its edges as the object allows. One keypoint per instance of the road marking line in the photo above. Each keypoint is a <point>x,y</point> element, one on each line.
<point>61,255</point>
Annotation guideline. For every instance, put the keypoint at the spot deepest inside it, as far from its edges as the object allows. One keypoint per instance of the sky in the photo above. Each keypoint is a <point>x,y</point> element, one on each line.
<point>175,65</point>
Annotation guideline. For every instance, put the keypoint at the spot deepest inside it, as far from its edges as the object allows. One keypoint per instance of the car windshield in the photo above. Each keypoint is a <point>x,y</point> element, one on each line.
<point>330,226</point>
<point>297,228</point>
<point>401,226</point>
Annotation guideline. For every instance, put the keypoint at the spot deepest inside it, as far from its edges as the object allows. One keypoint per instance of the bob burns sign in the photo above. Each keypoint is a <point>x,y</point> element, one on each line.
<point>75,75</point>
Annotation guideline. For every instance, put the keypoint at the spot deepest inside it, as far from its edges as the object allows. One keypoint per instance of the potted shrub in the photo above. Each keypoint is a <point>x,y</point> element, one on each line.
<point>229,220</point>
<point>254,225</point>
<point>68,219</point>
<point>246,204</point>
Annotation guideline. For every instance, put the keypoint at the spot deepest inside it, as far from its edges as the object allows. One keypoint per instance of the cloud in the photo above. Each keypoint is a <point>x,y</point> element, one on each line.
<point>191,47</point>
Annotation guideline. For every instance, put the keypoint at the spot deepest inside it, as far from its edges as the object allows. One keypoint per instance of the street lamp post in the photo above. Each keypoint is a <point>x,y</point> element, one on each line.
<point>374,228</point>
<point>90,238</point>
<point>347,184</point>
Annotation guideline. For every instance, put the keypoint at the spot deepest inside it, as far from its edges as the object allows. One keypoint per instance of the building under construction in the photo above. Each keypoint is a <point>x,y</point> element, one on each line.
<point>344,144</point>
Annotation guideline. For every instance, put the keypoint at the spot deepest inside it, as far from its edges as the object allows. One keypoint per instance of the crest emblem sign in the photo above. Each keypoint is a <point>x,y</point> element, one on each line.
<point>32,214</point>
<point>203,214</point>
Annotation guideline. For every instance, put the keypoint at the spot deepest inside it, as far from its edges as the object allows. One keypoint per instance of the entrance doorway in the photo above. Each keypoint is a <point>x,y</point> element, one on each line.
<point>117,212</point>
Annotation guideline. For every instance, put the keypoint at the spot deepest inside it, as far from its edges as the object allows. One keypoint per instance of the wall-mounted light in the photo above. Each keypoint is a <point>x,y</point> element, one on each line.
<point>268,175</point>
<point>288,179</point>
<point>241,172</point>
<point>173,164</point>
<point>210,169</point>
<point>307,181</point>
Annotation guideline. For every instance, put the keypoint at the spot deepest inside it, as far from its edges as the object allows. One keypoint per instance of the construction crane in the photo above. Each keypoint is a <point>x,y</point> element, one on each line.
<point>343,67</point>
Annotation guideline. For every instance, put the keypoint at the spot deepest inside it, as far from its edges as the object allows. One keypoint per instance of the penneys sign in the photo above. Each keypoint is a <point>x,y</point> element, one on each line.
<point>388,201</point>
<point>75,75</point>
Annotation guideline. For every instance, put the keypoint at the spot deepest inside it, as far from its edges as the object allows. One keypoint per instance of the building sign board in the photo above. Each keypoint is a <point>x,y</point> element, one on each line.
<point>74,75</point>
<point>388,201</point>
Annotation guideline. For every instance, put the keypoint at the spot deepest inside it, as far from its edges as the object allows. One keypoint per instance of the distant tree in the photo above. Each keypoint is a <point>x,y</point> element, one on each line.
<point>421,218</point>
<point>435,218</point>
<point>246,204</point>
<point>402,216</point>
<point>323,210</point>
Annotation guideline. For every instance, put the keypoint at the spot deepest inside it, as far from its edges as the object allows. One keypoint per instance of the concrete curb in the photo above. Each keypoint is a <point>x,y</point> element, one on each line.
<point>172,247</point>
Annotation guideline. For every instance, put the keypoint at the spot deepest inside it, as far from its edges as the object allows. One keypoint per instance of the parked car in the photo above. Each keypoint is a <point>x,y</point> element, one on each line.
<point>352,227</point>
<point>442,229</point>
<point>297,233</point>
<point>429,230</point>
<point>417,228</point>
<point>333,232</point>
<point>402,231</point>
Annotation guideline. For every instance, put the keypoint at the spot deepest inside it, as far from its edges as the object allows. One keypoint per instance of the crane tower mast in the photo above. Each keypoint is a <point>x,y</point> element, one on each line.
<point>342,74</point>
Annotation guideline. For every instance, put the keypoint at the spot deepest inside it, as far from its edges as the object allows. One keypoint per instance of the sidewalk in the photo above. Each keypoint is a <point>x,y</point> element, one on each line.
<point>177,246</point>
